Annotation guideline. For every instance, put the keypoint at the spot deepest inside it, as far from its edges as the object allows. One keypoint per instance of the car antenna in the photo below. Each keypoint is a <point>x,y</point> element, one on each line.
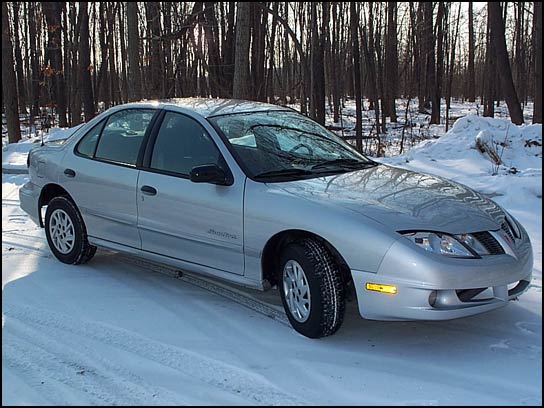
<point>41,135</point>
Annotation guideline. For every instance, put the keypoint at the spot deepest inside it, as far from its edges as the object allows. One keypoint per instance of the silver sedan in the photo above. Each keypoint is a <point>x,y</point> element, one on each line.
<point>264,197</point>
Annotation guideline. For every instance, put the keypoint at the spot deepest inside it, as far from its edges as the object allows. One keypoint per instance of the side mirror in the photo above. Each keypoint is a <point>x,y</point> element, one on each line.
<point>210,173</point>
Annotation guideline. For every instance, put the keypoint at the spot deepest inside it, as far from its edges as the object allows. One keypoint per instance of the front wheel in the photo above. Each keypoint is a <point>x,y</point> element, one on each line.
<point>66,233</point>
<point>311,288</point>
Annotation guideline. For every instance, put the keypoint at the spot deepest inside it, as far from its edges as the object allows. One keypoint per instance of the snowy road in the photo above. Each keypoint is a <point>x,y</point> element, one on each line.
<point>114,333</point>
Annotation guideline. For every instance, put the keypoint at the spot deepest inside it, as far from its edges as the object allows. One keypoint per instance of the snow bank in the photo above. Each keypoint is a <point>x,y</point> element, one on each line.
<point>14,154</point>
<point>456,155</point>
<point>60,133</point>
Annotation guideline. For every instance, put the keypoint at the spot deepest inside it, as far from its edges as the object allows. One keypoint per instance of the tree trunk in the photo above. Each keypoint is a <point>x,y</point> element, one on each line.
<point>52,12</point>
<point>537,108</point>
<point>520,79</point>
<point>326,46</point>
<point>35,85</point>
<point>354,19</point>
<point>122,45</point>
<point>471,93</point>
<point>156,61</point>
<point>240,86</point>
<point>113,77</point>
<point>317,97</point>
<point>371,68</point>
<point>85,64</point>
<point>437,86</point>
<point>9,85</point>
<point>272,61</point>
<point>169,73</point>
<point>18,58</point>
<point>102,80</point>
<point>452,68</point>
<point>503,64</point>
<point>489,74</point>
<point>335,55</point>
<point>228,49</point>
<point>259,29</point>
<point>75,79</point>
<point>211,31</point>
<point>391,61</point>
<point>134,72</point>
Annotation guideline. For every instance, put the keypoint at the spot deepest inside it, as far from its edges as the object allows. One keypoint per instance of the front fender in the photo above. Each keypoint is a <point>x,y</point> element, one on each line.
<point>269,210</point>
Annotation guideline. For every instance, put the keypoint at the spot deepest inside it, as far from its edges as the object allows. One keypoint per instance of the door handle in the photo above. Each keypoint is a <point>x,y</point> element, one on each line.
<point>148,190</point>
<point>69,173</point>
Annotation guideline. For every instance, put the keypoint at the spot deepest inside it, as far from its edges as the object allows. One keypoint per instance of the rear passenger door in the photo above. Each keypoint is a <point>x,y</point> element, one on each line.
<point>102,175</point>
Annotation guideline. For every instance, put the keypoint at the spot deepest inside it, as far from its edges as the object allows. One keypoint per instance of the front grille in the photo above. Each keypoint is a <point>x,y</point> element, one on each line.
<point>506,228</point>
<point>489,243</point>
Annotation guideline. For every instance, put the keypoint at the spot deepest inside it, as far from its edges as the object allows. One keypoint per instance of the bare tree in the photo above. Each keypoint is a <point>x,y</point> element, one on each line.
<point>437,86</point>
<point>241,58</point>
<point>503,63</point>
<point>52,12</point>
<point>135,82</point>
<point>471,93</point>
<point>354,18</point>
<point>490,68</point>
<point>21,90</point>
<point>85,64</point>
<point>35,75</point>
<point>317,97</point>
<point>391,60</point>
<point>9,85</point>
<point>537,108</point>
<point>156,57</point>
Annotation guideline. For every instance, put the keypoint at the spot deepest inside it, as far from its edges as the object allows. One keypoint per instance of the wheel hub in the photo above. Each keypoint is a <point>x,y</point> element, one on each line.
<point>296,290</point>
<point>61,230</point>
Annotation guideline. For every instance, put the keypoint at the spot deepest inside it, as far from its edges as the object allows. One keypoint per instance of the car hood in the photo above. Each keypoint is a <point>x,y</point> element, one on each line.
<point>403,199</point>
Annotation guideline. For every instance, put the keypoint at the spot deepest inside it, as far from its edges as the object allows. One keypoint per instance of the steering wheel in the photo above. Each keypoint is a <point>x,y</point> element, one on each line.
<point>298,146</point>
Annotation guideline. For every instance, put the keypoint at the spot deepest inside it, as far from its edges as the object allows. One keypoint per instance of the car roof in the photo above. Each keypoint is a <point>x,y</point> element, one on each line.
<point>208,107</point>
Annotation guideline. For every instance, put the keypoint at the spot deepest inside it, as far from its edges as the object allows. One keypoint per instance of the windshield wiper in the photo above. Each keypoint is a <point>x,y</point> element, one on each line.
<point>283,173</point>
<point>344,162</point>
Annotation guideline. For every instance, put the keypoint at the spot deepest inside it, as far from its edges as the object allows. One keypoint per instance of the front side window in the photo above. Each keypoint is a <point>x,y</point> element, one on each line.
<point>285,143</point>
<point>123,135</point>
<point>181,144</point>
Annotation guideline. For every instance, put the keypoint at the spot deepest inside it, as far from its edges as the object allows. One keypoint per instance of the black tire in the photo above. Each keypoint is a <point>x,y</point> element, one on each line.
<point>81,251</point>
<point>326,288</point>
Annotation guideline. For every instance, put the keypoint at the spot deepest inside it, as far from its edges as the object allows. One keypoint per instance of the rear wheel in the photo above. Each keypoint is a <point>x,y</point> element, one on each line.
<point>66,233</point>
<point>311,288</point>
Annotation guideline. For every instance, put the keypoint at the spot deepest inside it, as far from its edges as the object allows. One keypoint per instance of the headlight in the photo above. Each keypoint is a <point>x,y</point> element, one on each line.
<point>473,243</point>
<point>513,225</point>
<point>460,246</point>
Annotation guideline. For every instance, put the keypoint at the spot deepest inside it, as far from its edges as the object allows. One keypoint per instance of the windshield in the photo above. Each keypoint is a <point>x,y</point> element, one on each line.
<point>285,144</point>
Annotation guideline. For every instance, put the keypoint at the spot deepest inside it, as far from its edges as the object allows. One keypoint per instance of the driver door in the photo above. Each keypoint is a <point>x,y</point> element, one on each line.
<point>200,223</point>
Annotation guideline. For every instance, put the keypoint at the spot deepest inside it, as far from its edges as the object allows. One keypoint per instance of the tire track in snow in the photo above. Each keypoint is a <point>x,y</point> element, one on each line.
<point>61,372</point>
<point>235,295</point>
<point>232,380</point>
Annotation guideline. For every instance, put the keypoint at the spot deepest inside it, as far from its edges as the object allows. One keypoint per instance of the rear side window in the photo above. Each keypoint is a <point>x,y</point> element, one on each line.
<point>123,135</point>
<point>87,144</point>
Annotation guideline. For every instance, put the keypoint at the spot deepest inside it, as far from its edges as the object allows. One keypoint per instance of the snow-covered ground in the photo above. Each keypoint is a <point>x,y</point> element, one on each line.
<point>14,155</point>
<point>111,332</point>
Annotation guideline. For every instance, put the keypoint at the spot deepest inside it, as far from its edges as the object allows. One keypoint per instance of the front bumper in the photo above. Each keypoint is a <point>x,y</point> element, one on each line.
<point>29,195</point>
<point>440,288</point>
